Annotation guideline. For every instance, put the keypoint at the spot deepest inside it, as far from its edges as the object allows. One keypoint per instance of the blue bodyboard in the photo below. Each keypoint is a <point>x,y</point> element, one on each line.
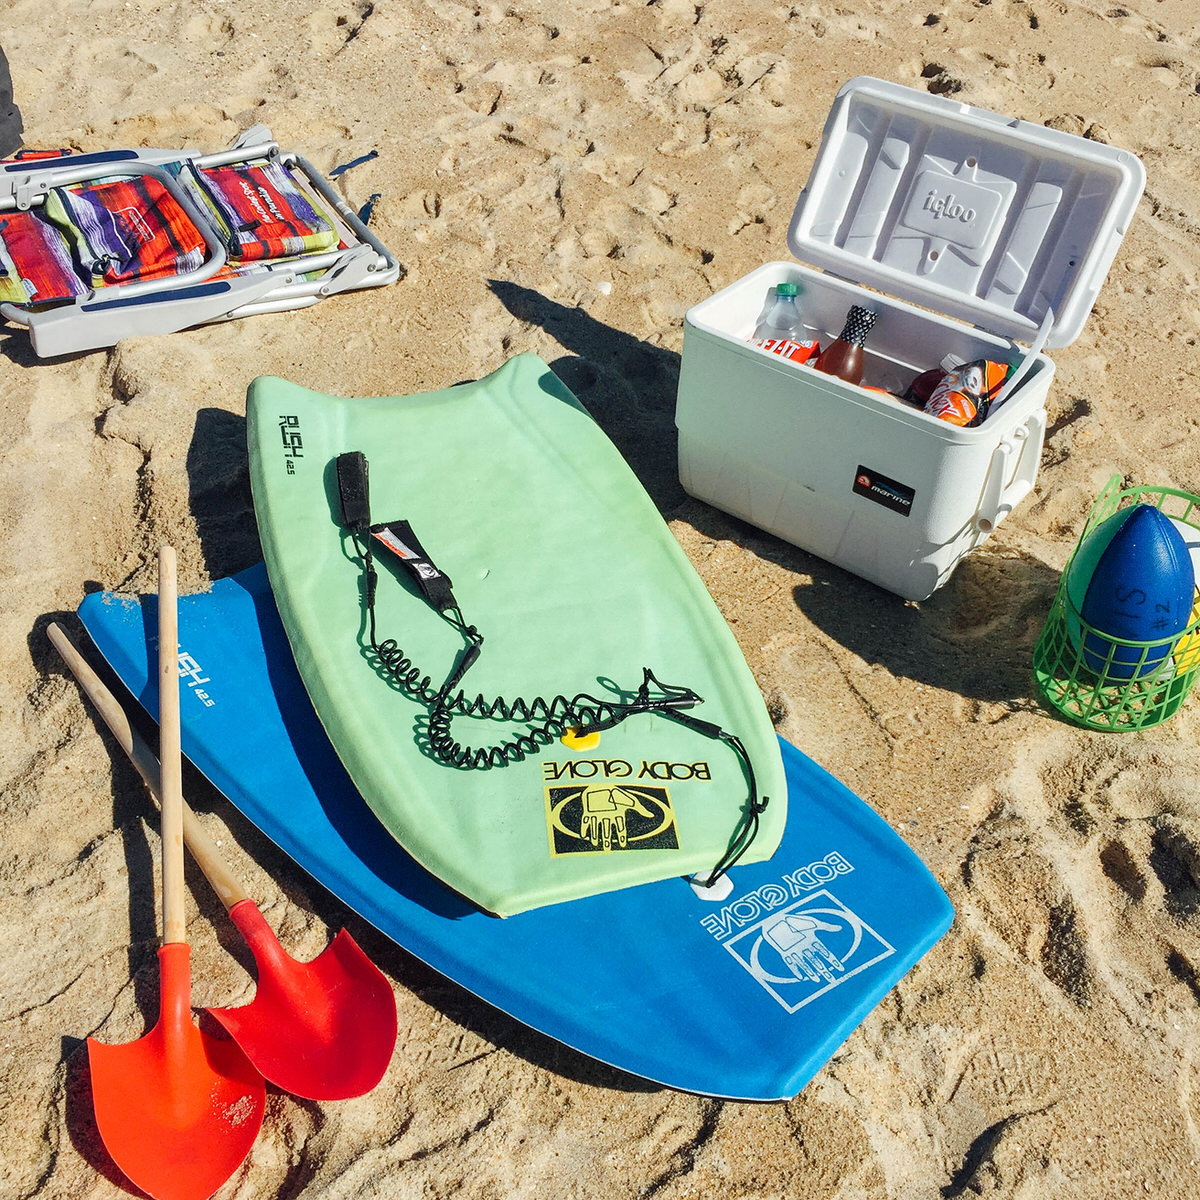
<point>743,998</point>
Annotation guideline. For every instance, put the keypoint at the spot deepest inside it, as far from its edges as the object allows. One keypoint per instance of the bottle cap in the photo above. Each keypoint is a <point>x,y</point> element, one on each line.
<point>786,289</point>
<point>858,324</point>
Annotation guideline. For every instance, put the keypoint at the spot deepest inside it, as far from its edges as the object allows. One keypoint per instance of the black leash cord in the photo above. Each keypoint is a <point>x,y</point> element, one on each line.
<point>584,713</point>
<point>550,718</point>
<point>747,829</point>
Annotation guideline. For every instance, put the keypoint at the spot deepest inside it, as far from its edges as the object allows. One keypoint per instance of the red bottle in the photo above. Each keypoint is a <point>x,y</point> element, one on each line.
<point>844,357</point>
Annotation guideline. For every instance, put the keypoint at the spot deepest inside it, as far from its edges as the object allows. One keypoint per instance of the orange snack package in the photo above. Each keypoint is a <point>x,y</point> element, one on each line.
<point>964,395</point>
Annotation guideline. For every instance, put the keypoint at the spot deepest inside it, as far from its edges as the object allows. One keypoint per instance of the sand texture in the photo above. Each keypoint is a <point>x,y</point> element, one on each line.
<point>569,178</point>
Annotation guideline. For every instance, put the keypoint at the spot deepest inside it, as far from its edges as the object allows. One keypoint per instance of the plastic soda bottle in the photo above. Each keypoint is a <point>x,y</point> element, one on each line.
<point>782,330</point>
<point>844,358</point>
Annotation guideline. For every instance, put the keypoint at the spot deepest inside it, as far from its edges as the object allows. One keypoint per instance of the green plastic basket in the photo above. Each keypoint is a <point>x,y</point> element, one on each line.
<point>1101,698</point>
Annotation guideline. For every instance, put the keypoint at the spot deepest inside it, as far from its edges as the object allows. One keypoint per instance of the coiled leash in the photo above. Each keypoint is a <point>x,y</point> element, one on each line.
<point>547,719</point>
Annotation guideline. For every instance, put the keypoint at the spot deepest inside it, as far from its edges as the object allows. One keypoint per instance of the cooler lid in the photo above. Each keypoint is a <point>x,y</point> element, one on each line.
<point>982,217</point>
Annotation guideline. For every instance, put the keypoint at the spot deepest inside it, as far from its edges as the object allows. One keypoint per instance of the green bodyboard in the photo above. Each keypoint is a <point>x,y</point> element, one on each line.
<point>562,562</point>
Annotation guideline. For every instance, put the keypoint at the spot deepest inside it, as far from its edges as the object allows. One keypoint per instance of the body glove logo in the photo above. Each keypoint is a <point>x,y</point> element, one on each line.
<point>607,817</point>
<point>810,948</point>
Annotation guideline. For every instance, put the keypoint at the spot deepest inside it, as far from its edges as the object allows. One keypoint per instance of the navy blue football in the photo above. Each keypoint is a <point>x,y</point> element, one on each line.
<point>1131,579</point>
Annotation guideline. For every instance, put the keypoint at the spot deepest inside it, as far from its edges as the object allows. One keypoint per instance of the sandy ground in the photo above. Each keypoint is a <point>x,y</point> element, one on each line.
<point>568,178</point>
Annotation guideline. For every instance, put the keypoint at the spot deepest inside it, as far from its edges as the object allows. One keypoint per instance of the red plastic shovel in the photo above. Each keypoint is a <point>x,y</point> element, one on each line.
<point>324,1030</point>
<point>178,1110</point>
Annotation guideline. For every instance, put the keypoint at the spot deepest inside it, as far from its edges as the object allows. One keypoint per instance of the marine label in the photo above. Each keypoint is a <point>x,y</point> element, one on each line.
<point>888,492</point>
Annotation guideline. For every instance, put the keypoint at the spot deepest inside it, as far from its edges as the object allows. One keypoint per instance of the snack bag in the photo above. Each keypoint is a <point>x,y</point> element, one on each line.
<point>964,395</point>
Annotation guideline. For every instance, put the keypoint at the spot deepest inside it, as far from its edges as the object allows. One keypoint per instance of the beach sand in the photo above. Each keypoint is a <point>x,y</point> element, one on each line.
<point>568,178</point>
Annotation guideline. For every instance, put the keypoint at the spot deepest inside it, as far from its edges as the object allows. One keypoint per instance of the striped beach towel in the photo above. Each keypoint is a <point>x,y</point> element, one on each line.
<point>263,212</point>
<point>35,261</point>
<point>126,229</point>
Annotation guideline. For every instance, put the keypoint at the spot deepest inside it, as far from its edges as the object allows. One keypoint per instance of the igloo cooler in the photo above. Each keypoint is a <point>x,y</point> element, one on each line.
<point>968,234</point>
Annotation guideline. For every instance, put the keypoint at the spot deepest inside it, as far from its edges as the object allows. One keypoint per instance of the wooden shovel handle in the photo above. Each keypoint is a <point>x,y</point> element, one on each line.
<point>170,757</point>
<point>227,886</point>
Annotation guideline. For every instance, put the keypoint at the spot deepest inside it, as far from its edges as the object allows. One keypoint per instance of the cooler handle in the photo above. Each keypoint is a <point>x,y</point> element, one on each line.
<point>1007,485</point>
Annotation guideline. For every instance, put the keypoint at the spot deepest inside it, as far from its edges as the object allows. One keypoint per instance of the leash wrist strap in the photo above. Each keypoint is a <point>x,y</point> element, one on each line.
<point>435,584</point>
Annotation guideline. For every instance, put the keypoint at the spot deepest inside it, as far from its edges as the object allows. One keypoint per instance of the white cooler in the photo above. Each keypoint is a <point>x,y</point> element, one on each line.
<point>1002,232</point>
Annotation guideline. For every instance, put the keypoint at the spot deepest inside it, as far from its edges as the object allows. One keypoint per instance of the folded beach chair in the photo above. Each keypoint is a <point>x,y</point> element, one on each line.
<point>121,243</point>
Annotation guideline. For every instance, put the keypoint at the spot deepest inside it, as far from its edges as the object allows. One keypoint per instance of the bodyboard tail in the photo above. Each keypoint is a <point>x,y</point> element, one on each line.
<point>743,998</point>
